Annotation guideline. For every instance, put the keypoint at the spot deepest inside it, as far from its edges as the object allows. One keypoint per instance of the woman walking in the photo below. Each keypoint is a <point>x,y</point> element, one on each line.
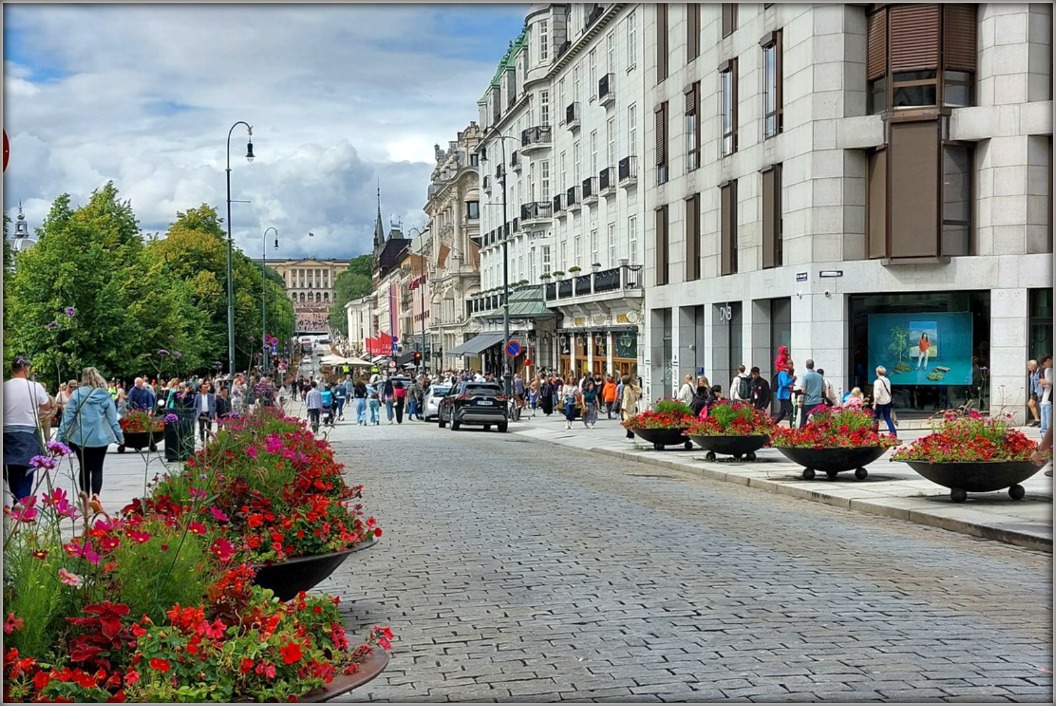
<point>89,426</point>
<point>26,402</point>
<point>629,401</point>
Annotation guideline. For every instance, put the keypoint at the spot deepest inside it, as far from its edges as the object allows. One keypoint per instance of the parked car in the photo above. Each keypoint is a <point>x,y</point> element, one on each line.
<point>433,396</point>
<point>475,403</point>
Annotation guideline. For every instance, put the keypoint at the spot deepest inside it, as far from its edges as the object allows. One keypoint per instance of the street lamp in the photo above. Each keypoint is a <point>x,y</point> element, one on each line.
<point>264,295</point>
<point>421,288</point>
<point>507,373</point>
<point>230,285</point>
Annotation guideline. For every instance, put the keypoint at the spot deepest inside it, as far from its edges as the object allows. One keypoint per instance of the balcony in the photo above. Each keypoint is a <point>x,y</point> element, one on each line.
<point>607,89</point>
<point>535,138</point>
<point>623,280</point>
<point>572,116</point>
<point>627,172</point>
<point>515,161</point>
<point>590,190</point>
<point>572,198</point>
<point>607,181</point>
<point>559,206</point>
<point>536,212</point>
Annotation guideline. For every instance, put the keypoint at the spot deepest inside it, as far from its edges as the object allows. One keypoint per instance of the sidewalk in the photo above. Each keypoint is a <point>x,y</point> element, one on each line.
<point>892,489</point>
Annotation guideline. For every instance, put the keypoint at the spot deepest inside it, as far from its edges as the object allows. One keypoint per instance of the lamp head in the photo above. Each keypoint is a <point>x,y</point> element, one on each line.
<point>249,150</point>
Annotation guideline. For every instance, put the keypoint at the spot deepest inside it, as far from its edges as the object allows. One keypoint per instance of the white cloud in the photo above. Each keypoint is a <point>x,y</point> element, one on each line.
<point>339,97</point>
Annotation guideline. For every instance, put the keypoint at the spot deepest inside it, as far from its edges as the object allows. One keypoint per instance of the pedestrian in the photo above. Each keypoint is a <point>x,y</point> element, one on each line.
<point>340,395</point>
<point>629,401</point>
<point>784,383</point>
<point>26,403</point>
<point>205,410</point>
<point>1045,403</point>
<point>1034,391</point>
<point>760,395</point>
<point>882,400</point>
<point>811,390</point>
<point>741,386</point>
<point>685,393</point>
<point>89,425</point>
<point>590,404</point>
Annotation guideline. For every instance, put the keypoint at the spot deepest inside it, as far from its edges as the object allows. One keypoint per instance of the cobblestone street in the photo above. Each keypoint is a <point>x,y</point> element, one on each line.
<point>515,570</point>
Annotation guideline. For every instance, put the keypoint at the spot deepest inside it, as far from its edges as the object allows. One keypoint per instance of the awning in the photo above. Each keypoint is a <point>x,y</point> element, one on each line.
<point>475,345</point>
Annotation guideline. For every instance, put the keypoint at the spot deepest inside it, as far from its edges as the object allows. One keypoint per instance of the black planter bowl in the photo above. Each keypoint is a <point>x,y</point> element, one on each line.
<point>139,440</point>
<point>834,460</point>
<point>371,667</point>
<point>736,446</point>
<point>660,438</point>
<point>290,577</point>
<point>982,477</point>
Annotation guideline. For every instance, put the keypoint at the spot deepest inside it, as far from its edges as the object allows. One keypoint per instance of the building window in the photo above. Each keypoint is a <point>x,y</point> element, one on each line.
<point>728,245</point>
<point>728,105</point>
<point>773,237</point>
<point>729,18</point>
<point>660,145</point>
<point>544,41</point>
<point>772,99</point>
<point>632,235</point>
<point>544,107</point>
<point>957,160</point>
<point>921,56</point>
<point>661,246</point>
<point>632,40</point>
<point>692,31</point>
<point>692,130</point>
<point>661,42</point>
<point>473,210</point>
<point>693,238</point>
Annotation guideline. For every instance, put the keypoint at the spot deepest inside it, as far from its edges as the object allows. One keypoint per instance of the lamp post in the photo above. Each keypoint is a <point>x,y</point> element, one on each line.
<point>264,295</point>
<point>230,285</point>
<point>421,289</point>
<point>507,373</point>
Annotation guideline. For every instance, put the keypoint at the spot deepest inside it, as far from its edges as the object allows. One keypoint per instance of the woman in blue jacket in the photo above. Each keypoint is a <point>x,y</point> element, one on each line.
<point>89,426</point>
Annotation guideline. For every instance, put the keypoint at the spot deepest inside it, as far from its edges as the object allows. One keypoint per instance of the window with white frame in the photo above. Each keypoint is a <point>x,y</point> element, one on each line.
<point>610,129</point>
<point>544,41</point>
<point>632,235</point>
<point>632,40</point>
<point>612,245</point>
<point>593,152</point>
<point>632,128</point>
<point>592,76</point>
<point>544,107</point>
<point>544,180</point>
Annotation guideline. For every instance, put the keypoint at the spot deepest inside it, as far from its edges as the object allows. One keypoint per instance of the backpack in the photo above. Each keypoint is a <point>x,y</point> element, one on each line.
<point>744,388</point>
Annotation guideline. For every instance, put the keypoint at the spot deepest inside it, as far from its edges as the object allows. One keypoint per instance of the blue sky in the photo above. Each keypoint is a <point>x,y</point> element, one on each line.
<point>340,97</point>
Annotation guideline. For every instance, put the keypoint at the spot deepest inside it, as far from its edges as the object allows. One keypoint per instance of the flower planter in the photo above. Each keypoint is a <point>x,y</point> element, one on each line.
<point>736,446</point>
<point>833,460</point>
<point>290,577</point>
<point>660,438</point>
<point>139,440</point>
<point>371,667</point>
<point>977,477</point>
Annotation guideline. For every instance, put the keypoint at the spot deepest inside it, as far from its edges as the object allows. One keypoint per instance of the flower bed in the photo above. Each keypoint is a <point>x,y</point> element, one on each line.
<point>158,604</point>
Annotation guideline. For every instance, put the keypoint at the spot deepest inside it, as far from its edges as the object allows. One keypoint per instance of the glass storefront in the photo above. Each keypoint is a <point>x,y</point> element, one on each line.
<point>935,346</point>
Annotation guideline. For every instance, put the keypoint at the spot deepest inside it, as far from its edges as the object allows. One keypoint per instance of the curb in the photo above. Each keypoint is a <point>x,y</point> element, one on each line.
<point>1004,531</point>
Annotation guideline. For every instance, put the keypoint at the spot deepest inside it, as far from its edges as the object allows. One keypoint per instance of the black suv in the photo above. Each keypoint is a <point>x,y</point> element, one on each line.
<point>475,403</point>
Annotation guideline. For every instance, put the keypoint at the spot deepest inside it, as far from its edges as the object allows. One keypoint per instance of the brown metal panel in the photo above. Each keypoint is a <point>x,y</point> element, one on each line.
<point>876,204</point>
<point>769,217</point>
<point>914,37</point>
<point>913,167</point>
<point>876,56</point>
<point>959,37</point>
<point>661,133</point>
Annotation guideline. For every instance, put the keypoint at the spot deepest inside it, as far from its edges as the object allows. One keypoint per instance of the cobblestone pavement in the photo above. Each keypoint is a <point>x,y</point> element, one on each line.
<point>513,570</point>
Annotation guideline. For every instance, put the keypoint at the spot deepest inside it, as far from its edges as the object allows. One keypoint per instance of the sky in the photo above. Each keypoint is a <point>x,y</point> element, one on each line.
<point>340,97</point>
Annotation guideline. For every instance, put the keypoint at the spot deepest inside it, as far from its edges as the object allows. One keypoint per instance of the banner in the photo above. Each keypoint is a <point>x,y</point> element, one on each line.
<point>922,348</point>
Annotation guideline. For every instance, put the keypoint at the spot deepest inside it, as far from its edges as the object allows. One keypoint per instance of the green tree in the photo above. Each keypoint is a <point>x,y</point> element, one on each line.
<point>353,283</point>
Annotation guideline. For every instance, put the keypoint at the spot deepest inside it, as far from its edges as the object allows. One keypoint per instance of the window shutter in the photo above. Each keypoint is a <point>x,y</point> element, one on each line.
<point>661,133</point>
<point>958,36</point>
<point>914,37</point>
<point>876,61</point>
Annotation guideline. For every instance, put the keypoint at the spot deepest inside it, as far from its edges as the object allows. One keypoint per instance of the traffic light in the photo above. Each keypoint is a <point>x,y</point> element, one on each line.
<point>417,358</point>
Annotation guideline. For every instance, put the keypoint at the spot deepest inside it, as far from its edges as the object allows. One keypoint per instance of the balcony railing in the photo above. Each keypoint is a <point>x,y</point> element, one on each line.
<point>536,211</point>
<point>590,189</point>
<point>534,138</point>
<point>606,182</point>
<point>627,171</point>
<point>572,116</point>
<point>615,279</point>
<point>607,89</point>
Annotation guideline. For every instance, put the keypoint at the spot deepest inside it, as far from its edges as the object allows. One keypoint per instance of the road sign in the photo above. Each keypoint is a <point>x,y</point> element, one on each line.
<point>513,348</point>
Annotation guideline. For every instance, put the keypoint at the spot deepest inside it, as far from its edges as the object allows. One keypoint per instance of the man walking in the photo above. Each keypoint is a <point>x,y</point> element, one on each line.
<point>813,388</point>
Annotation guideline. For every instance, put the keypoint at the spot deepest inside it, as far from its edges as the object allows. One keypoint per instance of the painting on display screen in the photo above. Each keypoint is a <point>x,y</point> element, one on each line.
<point>922,348</point>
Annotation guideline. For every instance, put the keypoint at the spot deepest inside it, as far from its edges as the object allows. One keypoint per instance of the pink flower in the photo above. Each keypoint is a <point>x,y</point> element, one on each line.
<point>70,579</point>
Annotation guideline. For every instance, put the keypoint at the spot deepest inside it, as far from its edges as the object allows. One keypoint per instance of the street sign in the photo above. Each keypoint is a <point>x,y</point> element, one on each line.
<point>513,348</point>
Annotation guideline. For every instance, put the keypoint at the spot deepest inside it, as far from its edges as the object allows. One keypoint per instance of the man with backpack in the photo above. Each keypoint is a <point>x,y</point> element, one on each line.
<point>741,386</point>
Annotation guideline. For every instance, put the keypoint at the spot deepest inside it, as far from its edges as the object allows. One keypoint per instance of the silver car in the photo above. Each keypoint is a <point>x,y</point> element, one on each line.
<point>433,395</point>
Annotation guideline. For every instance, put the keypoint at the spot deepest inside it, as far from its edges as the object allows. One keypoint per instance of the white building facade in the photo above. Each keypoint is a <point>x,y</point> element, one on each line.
<point>849,181</point>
